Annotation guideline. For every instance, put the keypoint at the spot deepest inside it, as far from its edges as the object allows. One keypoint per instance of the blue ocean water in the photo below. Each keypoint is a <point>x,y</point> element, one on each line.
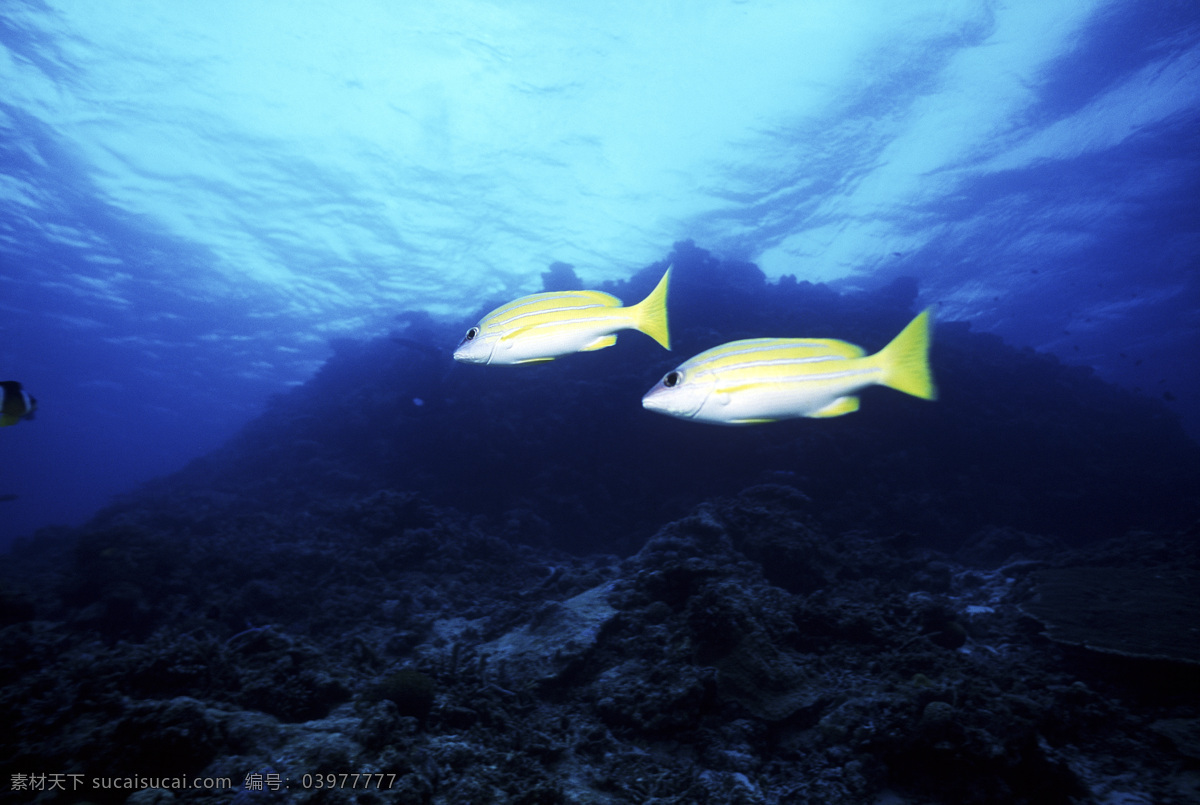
<point>196,199</point>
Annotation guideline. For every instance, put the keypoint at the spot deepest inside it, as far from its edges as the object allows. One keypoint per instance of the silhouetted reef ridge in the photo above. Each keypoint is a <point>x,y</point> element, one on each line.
<point>515,586</point>
<point>1016,439</point>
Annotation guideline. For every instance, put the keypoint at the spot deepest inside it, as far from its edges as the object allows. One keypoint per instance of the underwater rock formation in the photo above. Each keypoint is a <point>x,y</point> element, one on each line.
<point>529,590</point>
<point>1016,439</point>
<point>474,668</point>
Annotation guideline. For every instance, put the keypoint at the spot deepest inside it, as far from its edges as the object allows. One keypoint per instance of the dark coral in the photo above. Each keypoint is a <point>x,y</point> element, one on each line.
<point>412,692</point>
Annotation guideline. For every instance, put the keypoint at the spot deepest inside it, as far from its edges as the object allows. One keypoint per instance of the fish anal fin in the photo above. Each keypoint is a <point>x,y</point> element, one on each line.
<point>600,343</point>
<point>839,407</point>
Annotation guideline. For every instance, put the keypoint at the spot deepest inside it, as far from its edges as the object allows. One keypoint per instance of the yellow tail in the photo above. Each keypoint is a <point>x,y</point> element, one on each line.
<point>905,361</point>
<point>650,315</point>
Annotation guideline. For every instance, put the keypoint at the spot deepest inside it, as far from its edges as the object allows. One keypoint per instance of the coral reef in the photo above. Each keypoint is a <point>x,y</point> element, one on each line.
<point>479,670</point>
<point>529,591</point>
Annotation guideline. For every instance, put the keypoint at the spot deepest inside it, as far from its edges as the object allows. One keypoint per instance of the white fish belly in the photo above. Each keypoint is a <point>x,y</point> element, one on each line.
<point>552,341</point>
<point>784,400</point>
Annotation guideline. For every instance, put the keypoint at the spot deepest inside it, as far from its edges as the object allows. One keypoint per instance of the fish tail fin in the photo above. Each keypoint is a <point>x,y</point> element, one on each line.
<point>905,361</point>
<point>650,315</point>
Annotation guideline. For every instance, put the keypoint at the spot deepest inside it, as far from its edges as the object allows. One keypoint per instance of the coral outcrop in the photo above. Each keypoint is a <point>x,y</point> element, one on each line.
<point>527,590</point>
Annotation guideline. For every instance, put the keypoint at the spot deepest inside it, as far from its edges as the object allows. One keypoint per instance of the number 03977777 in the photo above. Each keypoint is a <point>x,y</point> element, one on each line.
<point>353,780</point>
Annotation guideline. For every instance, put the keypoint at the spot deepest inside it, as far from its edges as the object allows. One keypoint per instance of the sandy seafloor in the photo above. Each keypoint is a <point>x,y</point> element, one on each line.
<point>483,585</point>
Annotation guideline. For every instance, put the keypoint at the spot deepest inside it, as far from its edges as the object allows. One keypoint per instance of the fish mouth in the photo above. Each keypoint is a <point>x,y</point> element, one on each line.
<point>663,399</point>
<point>653,401</point>
<point>474,351</point>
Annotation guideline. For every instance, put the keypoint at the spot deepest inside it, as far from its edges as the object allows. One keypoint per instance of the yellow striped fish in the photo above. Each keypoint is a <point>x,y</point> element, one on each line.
<point>543,326</point>
<point>765,379</point>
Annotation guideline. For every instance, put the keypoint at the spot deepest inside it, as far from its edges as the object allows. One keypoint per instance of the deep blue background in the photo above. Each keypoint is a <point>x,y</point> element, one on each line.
<point>193,202</point>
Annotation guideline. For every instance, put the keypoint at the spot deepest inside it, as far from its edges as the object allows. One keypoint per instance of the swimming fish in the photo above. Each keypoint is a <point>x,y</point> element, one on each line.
<point>766,379</point>
<point>17,404</point>
<point>543,326</point>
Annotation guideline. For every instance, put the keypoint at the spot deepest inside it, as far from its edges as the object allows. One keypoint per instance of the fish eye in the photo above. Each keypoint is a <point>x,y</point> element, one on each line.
<point>673,379</point>
<point>474,331</point>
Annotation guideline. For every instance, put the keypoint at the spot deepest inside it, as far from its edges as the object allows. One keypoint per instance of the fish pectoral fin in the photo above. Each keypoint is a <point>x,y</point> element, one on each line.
<point>534,360</point>
<point>840,406</point>
<point>600,343</point>
<point>512,335</point>
<point>750,421</point>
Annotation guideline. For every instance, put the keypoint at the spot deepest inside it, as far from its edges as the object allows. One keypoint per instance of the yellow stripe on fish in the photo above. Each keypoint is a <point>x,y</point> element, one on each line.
<point>543,326</point>
<point>766,379</point>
